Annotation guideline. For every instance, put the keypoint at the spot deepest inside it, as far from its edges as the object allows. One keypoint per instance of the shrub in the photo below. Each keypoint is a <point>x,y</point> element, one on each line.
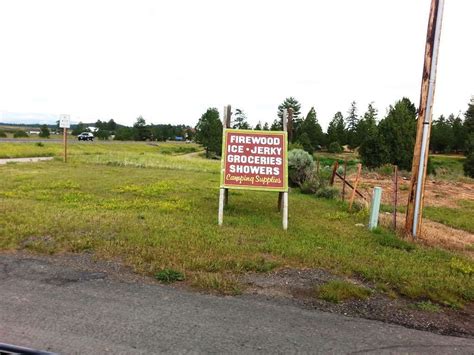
<point>469,166</point>
<point>44,131</point>
<point>335,147</point>
<point>385,170</point>
<point>3,134</point>
<point>311,185</point>
<point>327,192</point>
<point>305,141</point>
<point>39,144</point>
<point>373,152</point>
<point>20,134</point>
<point>300,166</point>
<point>296,145</point>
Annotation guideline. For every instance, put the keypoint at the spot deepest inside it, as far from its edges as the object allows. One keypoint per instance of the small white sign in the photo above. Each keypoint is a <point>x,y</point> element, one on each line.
<point>64,121</point>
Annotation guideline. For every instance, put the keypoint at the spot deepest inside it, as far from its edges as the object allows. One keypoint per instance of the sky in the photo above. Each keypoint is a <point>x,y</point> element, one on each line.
<point>170,60</point>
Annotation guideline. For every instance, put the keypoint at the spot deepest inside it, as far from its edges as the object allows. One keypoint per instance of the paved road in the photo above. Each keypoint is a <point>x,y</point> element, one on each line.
<point>61,309</point>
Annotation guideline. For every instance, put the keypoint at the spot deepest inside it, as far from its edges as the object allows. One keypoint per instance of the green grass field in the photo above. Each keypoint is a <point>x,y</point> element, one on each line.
<point>460,218</point>
<point>449,167</point>
<point>55,148</point>
<point>154,209</point>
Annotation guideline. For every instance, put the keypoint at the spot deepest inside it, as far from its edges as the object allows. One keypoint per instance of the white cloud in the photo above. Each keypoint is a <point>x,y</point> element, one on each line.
<point>170,60</point>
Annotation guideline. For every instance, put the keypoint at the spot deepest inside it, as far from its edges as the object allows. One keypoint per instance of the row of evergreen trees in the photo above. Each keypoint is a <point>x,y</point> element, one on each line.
<point>140,131</point>
<point>389,140</point>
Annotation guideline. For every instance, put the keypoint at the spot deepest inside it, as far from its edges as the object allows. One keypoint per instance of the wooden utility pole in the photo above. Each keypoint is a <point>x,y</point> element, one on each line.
<point>420,155</point>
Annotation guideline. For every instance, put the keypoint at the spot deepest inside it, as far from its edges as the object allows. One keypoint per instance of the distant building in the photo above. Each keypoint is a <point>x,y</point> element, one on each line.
<point>34,132</point>
<point>178,138</point>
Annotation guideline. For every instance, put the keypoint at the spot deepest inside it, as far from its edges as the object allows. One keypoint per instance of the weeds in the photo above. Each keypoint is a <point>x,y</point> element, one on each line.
<point>168,276</point>
<point>218,283</point>
<point>338,291</point>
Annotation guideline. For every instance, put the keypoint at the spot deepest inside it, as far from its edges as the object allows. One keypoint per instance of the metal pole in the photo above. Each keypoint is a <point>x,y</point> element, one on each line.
<point>415,197</point>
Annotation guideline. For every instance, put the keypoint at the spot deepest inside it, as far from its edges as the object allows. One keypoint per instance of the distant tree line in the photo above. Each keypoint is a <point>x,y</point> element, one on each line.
<point>389,140</point>
<point>140,131</point>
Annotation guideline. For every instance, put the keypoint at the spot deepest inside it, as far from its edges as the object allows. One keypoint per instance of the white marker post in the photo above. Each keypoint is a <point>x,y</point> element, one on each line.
<point>65,123</point>
<point>375,208</point>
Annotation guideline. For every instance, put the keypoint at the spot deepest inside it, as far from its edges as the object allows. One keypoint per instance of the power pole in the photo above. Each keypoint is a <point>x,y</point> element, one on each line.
<point>420,155</point>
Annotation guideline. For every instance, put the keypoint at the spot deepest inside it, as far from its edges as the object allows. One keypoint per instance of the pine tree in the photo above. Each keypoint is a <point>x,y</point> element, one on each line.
<point>367,126</point>
<point>276,125</point>
<point>469,118</point>
<point>459,134</point>
<point>265,127</point>
<point>44,131</point>
<point>312,128</point>
<point>305,141</point>
<point>209,132</point>
<point>240,120</point>
<point>290,102</point>
<point>352,124</point>
<point>258,127</point>
<point>337,130</point>
<point>442,138</point>
<point>398,131</point>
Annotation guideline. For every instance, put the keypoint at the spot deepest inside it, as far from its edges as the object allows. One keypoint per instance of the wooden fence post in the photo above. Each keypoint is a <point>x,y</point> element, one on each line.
<point>344,185</point>
<point>359,169</point>
<point>334,171</point>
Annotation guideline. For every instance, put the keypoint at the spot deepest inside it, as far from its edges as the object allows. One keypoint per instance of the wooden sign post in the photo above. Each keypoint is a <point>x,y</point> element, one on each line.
<point>254,160</point>
<point>65,123</point>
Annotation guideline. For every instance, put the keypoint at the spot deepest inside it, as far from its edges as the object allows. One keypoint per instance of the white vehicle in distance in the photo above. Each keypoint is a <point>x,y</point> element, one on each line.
<point>85,136</point>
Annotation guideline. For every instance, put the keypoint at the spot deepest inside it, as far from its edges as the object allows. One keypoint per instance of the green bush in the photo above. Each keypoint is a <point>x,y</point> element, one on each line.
<point>311,185</point>
<point>44,131</point>
<point>296,145</point>
<point>327,192</point>
<point>468,165</point>
<point>20,134</point>
<point>335,147</point>
<point>300,166</point>
<point>3,134</point>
